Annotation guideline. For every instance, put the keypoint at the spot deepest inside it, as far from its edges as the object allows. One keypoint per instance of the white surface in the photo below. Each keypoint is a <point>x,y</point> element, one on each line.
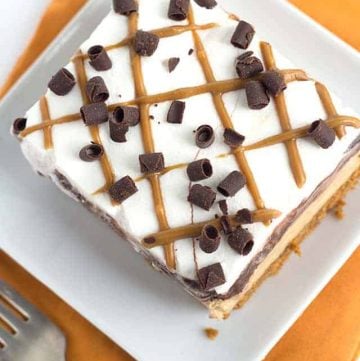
<point>85,263</point>
<point>19,19</point>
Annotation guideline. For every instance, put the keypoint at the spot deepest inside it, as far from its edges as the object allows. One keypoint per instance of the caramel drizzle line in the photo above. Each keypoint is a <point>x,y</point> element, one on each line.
<point>280,103</point>
<point>194,230</point>
<point>164,171</point>
<point>45,115</point>
<point>224,115</point>
<point>273,140</point>
<point>223,86</point>
<point>94,129</point>
<point>148,142</point>
<point>329,107</point>
<point>302,132</point>
<point>161,33</point>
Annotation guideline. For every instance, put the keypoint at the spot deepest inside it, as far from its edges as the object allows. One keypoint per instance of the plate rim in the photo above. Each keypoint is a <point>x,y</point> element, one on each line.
<point>335,266</point>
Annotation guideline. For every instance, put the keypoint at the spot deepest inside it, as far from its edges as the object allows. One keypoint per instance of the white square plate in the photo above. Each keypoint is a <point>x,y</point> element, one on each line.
<point>86,264</point>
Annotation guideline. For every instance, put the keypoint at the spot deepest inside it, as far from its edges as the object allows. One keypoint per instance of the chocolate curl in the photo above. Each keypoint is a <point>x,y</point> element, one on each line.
<point>91,152</point>
<point>151,163</point>
<point>96,90</point>
<point>118,126</point>
<point>145,43</point>
<point>274,82</point>
<point>19,125</point>
<point>176,112</point>
<point>256,95</point>
<point>322,134</point>
<point>99,58</point>
<point>204,136</point>
<point>211,276</point>
<point>178,9</point>
<point>209,240</point>
<point>125,7</point>
<point>203,197</point>
<point>123,189</point>
<point>94,114</point>
<point>199,170</point>
<point>241,241</point>
<point>243,35</point>
<point>232,184</point>
<point>62,82</point>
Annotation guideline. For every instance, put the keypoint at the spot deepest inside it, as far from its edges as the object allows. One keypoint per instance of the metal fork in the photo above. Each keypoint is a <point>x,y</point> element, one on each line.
<point>35,337</point>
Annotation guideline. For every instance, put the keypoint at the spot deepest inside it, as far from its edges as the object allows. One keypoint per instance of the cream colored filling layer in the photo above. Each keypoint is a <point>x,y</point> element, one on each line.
<point>221,309</point>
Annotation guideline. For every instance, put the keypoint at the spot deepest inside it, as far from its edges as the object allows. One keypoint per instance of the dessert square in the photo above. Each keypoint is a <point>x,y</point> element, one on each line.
<point>200,144</point>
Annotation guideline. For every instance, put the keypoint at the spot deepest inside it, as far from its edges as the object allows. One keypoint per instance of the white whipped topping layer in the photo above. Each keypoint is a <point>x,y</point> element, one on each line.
<point>270,165</point>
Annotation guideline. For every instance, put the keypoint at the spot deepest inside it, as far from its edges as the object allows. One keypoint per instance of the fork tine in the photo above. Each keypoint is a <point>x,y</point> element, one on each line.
<point>5,338</point>
<point>10,295</point>
<point>9,318</point>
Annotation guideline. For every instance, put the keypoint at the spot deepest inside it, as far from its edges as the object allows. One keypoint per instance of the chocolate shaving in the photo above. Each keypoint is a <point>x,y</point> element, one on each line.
<point>256,94</point>
<point>224,207</point>
<point>232,138</point>
<point>130,115</point>
<point>241,241</point>
<point>191,51</point>
<point>244,216</point>
<point>125,7</point>
<point>232,184</point>
<point>176,112</point>
<point>178,9</point>
<point>322,134</point>
<point>97,90</point>
<point>199,170</point>
<point>145,43</point>
<point>211,276</point>
<point>123,189</point>
<point>248,66</point>
<point>99,58</point>
<point>19,125</point>
<point>201,196</point>
<point>119,125</point>
<point>208,4</point>
<point>173,63</point>
<point>243,35</point>
<point>62,82</point>
<point>91,152</point>
<point>204,136</point>
<point>94,114</point>
<point>152,162</point>
<point>274,83</point>
<point>209,241</point>
<point>225,224</point>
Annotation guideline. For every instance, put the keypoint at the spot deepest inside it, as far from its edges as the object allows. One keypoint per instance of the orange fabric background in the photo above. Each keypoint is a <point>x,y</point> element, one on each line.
<point>329,330</point>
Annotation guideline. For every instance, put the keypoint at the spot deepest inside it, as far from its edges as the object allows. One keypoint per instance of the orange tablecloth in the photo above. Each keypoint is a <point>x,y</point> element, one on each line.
<point>329,330</point>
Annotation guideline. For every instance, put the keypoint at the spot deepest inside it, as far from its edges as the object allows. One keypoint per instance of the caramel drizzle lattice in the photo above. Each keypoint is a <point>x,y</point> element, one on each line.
<point>167,236</point>
<point>94,129</point>
<point>193,230</point>
<point>148,142</point>
<point>224,115</point>
<point>297,133</point>
<point>280,103</point>
<point>223,86</point>
<point>161,33</point>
